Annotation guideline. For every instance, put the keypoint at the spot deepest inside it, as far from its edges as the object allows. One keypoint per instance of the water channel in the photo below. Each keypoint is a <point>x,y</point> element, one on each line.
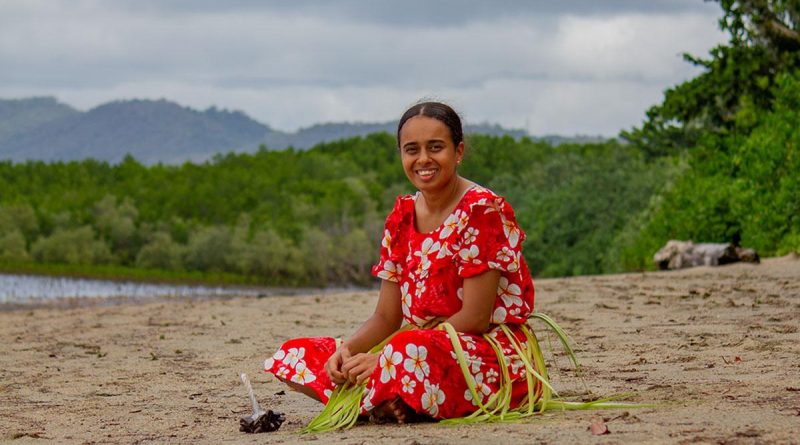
<point>25,289</point>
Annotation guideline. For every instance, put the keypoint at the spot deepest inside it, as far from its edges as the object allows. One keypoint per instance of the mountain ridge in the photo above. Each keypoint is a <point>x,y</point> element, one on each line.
<point>41,128</point>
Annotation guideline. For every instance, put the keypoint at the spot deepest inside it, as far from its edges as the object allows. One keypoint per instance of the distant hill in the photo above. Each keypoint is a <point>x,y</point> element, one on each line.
<point>151,131</point>
<point>22,115</point>
<point>162,131</point>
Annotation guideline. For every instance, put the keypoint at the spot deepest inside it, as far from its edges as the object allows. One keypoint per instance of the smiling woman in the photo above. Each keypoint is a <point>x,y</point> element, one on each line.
<point>453,273</point>
<point>431,146</point>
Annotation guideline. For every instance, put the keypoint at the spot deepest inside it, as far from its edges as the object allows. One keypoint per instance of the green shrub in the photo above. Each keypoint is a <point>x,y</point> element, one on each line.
<point>12,246</point>
<point>209,249</point>
<point>71,246</point>
<point>161,252</point>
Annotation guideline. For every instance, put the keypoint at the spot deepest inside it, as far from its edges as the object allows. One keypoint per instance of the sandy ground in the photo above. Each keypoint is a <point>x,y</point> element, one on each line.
<point>717,348</point>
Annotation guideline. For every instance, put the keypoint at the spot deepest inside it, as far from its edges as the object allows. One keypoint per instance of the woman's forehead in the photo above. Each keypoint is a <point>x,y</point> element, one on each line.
<point>421,128</point>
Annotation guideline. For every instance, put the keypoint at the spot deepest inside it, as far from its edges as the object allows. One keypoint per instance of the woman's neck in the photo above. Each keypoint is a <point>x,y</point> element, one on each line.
<point>442,200</point>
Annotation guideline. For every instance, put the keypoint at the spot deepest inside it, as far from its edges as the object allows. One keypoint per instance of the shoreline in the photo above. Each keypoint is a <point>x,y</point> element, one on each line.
<point>715,348</point>
<point>79,292</point>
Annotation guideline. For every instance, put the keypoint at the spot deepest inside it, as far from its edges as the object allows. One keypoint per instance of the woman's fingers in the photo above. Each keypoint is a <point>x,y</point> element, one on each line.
<point>333,368</point>
<point>359,367</point>
<point>363,376</point>
<point>350,363</point>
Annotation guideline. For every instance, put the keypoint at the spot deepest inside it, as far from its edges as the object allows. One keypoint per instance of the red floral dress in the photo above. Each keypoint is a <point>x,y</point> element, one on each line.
<point>419,365</point>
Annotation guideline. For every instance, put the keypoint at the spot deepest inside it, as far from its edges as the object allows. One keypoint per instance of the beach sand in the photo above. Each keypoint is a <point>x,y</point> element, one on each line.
<point>717,348</point>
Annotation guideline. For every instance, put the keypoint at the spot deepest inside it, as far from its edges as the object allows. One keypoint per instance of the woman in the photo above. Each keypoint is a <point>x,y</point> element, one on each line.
<point>451,254</point>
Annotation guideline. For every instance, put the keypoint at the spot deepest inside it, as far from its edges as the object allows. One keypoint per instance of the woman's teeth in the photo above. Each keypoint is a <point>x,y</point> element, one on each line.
<point>426,172</point>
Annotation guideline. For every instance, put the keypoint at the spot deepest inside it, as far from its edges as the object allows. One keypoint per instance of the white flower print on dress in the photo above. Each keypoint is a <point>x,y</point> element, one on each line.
<point>389,360</point>
<point>516,363</point>
<point>293,356</point>
<point>481,389</point>
<point>420,288</point>
<point>499,315</point>
<point>408,384</point>
<point>366,402</point>
<point>270,362</point>
<point>470,235</point>
<point>444,251</point>
<point>511,230</point>
<point>470,255</point>
<point>428,247</point>
<point>469,342</point>
<point>475,363</point>
<point>282,372</point>
<point>415,362</point>
<point>302,374</point>
<point>460,293</point>
<point>452,224</point>
<point>513,266</point>
<point>327,392</point>
<point>463,220</point>
<point>491,376</point>
<point>422,267</point>
<point>405,300</point>
<point>509,292</point>
<point>432,398</point>
<point>387,241</point>
<point>391,271</point>
<point>505,255</point>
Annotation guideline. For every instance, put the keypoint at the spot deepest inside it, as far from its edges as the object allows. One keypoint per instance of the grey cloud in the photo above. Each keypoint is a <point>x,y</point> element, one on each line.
<point>359,60</point>
<point>413,13</point>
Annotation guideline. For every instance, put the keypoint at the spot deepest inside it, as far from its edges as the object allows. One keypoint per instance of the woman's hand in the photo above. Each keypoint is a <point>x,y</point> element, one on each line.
<point>359,367</point>
<point>334,365</point>
<point>386,319</point>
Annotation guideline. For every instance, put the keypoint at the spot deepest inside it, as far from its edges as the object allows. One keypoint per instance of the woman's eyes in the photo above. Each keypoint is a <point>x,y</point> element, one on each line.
<point>415,150</point>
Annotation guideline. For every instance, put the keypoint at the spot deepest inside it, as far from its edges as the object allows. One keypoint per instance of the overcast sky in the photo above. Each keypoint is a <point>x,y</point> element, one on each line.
<point>551,67</point>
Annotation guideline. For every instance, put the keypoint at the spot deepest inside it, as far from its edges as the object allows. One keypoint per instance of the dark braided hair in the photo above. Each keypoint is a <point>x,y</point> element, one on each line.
<point>439,111</point>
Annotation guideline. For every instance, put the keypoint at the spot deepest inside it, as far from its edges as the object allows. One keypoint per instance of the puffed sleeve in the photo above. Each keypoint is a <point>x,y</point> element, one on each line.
<point>491,239</point>
<point>392,256</point>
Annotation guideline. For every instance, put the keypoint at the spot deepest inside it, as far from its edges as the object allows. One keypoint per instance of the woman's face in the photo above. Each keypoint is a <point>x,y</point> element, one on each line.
<point>428,155</point>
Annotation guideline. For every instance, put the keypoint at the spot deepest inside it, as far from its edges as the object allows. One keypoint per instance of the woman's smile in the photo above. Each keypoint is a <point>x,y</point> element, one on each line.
<point>427,174</point>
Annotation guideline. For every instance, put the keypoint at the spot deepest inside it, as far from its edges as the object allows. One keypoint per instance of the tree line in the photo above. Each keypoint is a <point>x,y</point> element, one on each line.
<point>310,217</point>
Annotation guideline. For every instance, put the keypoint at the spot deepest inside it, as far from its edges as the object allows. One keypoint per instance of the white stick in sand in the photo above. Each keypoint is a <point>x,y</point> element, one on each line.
<point>257,411</point>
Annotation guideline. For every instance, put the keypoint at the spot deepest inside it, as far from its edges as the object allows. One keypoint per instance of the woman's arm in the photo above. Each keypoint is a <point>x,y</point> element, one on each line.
<point>386,319</point>
<point>480,292</point>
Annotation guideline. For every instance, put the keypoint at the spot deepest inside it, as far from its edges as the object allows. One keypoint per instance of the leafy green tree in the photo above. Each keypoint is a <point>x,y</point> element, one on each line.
<point>317,253</point>
<point>270,256</point>
<point>117,223</point>
<point>12,246</point>
<point>20,217</point>
<point>209,249</point>
<point>71,246</point>
<point>353,257</point>
<point>740,187</point>
<point>764,41</point>
<point>161,252</point>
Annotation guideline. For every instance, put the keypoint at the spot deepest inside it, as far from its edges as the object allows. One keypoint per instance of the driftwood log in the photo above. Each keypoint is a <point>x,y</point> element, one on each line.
<point>682,254</point>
